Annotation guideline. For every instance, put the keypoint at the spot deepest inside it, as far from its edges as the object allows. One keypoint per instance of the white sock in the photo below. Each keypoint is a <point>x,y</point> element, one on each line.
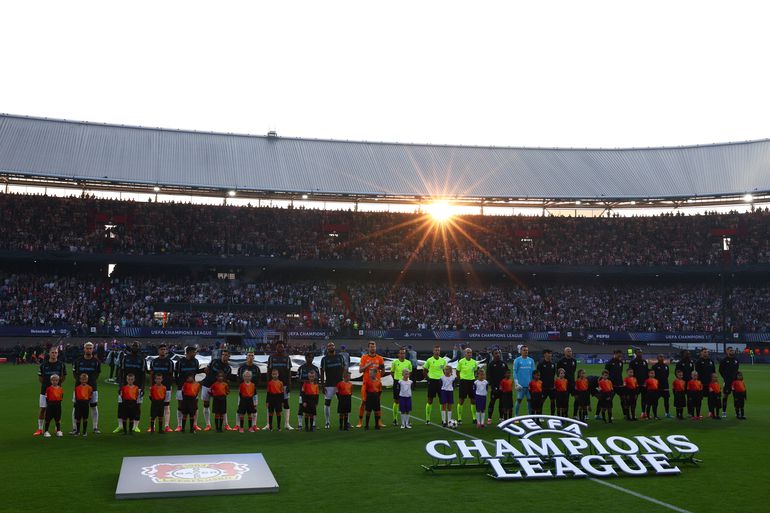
<point>300,420</point>
<point>327,413</point>
<point>166,415</point>
<point>135,424</point>
<point>207,415</point>
<point>225,421</point>
<point>179,418</point>
<point>95,416</point>
<point>443,416</point>
<point>286,416</point>
<point>449,415</point>
<point>253,418</point>
<point>40,424</point>
<point>120,422</point>
<point>404,419</point>
<point>74,424</point>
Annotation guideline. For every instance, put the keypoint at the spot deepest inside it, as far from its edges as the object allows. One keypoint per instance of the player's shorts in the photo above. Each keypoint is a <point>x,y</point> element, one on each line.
<point>329,392</point>
<point>189,405</point>
<point>53,411</point>
<point>434,388</point>
<point>562,400</point>
<point>286,395</point>
<point>466,389</point>
<point>535,400</point>
<point>43,401</point>
<point>128,409</point>
<point>205,393</point>
<point>521,394</point>
<point>246,405</point>
<point>157,409</point>
<point>404,404</point>
<point>481,402</point>
<point>373,401</point>
<point>739,398</point>
<point>506,400</point>
<point>447,397</point>
<point>275,402</point>
<point>179,396</point>
<point>680,400</point>
<point>312,405</point>
<point>81,409</point>
<point>220,404</point>
<point>583,398</point>
<point>343,404</point>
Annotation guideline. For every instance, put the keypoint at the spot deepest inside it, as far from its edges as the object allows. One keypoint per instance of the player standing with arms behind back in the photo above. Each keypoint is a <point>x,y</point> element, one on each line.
<point>371,360</point>
<point>281,362</point>
<point>523,367</point>
<point>50,367</point>
<point>333,368</point>
<point>397,368</point>
<point>89,364</point>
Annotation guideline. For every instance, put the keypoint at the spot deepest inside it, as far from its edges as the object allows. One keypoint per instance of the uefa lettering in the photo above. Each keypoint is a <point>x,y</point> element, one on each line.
<point>550,447</point>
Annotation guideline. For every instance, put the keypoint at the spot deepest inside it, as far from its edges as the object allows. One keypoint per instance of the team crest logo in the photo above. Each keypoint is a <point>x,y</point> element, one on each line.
<point>195,473</point>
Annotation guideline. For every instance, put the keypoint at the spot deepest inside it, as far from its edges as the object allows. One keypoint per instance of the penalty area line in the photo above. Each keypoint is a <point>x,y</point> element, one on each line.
<point>599,481</point>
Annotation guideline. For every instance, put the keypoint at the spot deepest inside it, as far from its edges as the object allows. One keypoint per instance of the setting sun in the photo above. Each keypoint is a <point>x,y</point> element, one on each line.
<point>440,211</point>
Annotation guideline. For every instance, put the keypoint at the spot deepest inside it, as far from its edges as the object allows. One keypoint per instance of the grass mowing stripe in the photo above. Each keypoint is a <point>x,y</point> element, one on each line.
<point>604,483</point>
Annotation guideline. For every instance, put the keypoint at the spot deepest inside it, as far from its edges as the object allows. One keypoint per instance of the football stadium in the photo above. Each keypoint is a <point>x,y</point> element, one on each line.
<point>382,323</point>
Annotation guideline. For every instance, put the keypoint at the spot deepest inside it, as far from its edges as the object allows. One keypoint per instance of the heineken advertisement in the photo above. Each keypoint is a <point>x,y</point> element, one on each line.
<point>549,447</point>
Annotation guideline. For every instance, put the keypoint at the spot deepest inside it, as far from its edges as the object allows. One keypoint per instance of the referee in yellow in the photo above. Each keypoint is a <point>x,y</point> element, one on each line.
<point>466,371</point>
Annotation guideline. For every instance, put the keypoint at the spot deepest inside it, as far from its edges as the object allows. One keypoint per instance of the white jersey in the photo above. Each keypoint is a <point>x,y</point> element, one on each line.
<point>447,383</point>
<point>405,388</point>
<point>480,387</point>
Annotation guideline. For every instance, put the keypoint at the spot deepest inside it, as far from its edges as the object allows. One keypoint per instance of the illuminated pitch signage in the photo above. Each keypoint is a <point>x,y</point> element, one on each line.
<point>549,447</point>
<point>200,474</point>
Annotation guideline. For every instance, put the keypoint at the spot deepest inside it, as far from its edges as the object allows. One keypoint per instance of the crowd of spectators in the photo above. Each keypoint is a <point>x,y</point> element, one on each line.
<point>79,301</point>
<point>41,223</point>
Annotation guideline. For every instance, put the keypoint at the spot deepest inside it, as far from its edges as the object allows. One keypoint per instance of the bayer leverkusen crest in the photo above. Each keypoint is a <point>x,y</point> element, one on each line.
<point>195,473</point>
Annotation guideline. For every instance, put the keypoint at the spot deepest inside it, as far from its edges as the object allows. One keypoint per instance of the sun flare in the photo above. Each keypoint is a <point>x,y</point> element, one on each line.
<point>440,211</point>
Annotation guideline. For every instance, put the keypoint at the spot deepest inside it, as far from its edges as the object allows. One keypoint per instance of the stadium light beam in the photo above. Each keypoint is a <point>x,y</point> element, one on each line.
<point>748,198</point>
<point>231,193</point>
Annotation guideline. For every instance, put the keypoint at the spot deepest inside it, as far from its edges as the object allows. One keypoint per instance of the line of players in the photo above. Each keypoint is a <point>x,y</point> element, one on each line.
<point>693,381</point>
<point>532,381</point>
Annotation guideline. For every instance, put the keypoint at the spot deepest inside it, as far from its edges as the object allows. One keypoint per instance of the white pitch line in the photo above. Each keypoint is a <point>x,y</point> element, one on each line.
<point>601,482</point>
<point>639,495</point>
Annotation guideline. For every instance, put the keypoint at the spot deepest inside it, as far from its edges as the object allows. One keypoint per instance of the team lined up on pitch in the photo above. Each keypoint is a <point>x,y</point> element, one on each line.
<point>531,381</point>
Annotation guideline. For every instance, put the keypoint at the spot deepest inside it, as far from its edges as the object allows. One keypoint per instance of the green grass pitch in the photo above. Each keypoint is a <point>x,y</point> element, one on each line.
<point>371,471</point>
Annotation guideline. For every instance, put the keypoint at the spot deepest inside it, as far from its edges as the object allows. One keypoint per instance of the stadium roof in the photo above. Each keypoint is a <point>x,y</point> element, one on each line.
<point>117,154</point>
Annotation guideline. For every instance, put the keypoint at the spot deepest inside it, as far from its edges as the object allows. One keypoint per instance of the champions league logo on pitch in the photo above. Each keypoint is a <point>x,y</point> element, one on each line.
<point>195,473</point>
<point>549,447</point>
